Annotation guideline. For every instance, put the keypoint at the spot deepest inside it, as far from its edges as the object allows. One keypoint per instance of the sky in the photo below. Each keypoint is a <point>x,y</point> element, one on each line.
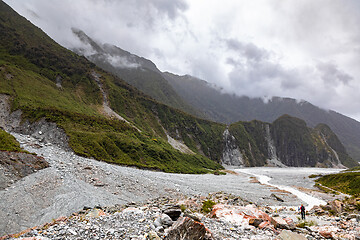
<point>305,49</point>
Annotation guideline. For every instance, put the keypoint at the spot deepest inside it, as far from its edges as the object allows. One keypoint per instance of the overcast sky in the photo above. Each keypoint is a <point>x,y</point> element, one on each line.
<point>303,49</point>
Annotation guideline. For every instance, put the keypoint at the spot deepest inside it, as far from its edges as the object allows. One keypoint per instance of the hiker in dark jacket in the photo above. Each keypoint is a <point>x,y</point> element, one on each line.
<point>302,210</point>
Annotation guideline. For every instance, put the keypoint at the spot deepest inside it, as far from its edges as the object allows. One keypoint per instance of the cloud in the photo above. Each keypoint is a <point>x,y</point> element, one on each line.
<point>302,49</point>
<point>248,50</point>
<point>331,74</point>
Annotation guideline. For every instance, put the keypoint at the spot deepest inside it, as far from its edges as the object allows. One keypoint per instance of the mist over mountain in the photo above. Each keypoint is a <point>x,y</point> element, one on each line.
<point>137,71</point>
<point>206,100</point>
<point>228,108</point>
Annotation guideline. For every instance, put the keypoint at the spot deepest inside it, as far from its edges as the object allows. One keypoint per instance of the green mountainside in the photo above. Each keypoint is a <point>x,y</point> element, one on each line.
<point>47,81</point>
<point>290,142</point>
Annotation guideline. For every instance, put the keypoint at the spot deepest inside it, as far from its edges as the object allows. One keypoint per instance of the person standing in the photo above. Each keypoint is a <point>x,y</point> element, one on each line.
<point>302,211</point>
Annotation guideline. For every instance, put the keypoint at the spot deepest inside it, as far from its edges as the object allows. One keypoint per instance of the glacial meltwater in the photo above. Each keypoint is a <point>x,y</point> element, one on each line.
<point>288,179</point>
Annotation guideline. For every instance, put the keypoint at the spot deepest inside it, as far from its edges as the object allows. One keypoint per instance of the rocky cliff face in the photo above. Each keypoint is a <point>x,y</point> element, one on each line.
<point>286,142</point>
<point>231,153</point>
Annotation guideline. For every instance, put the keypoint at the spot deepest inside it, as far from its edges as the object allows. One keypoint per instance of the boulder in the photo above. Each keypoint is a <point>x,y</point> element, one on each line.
<point>95,213</point>
<point>187,228</point>
<point>288,235</point>
<point>336,206</point>
<point>173,212</point>
<point>278,222</point>
<point>290,222</point>
<point>163,221</point>
<point>152,236</point>
<point>195,216</point>
<point>238,214</point>
<point>328,231</point>
<point>326,234</point>
<point>276,197</point>
<point>317,210</point>
<point>255,221</point>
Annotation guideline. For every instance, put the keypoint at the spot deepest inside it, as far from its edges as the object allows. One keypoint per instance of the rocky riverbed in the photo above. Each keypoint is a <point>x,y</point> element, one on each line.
<point>73,183</point>
<point>182,217</point>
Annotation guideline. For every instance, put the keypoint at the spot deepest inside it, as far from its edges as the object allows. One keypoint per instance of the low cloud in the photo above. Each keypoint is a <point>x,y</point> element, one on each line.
<point>301,49</point>
<point>331,74</point>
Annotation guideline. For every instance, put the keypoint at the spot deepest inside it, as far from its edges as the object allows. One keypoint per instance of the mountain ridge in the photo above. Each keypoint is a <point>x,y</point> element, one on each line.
<point>228,108</point>
<point>139,72</point>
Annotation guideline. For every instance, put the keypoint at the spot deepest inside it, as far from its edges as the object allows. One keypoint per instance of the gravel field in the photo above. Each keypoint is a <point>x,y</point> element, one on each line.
<point>72,182</point>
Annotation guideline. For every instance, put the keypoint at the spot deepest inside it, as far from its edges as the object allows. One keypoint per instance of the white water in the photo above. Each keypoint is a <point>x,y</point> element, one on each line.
<point>284,173</point>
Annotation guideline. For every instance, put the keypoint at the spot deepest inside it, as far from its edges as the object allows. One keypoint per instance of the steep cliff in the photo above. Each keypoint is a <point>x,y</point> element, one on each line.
<point>286,142</point>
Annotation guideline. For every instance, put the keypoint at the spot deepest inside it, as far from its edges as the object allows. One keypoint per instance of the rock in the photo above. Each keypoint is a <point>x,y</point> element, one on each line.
<point>187,228</point>
<point>276,197</point>
<point>264,224</point>
<point>328,231</point>
<point>173,212</point>
<point>288,235</point>
<point>237,214</point>
<point>336,206</point>
<point>255,222</point>
<point>152,236</point>
<point>326,234</point>
<point>351,216</point>
<point>194,216</point>
<point>163,220</point>
<point>72,231</point>
<point>278,222</point>
<point>317,211</point>
<point>95,213</point>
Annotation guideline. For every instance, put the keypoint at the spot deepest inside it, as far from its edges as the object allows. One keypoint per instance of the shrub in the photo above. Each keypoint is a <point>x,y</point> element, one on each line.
<point>207,206</point>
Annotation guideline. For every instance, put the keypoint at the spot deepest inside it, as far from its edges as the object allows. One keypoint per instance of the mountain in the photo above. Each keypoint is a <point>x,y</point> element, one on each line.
<point>228,108</point>
<point>286,142</point>
<point>102,116</point>
<point>60,97</point>
<point>137,71</point>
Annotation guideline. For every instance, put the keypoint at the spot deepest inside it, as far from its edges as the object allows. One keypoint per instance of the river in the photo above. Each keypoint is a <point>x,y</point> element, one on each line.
<point>288,179</point>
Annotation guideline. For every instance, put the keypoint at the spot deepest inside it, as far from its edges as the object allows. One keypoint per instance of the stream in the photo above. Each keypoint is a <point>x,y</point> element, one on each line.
<point>288,179</point>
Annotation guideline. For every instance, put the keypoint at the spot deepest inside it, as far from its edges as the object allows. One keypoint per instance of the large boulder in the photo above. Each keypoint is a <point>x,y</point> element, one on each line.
<point>279,222</point>
<point>289,235</point>
<point>239,215</point>
<point>173,212</point>
<point>187,228</point>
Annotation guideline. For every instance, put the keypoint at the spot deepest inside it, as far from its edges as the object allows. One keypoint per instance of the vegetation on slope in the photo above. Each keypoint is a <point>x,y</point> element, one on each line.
<point>9,143</point>
<point>333,141</point>
<point>346,182</point>
<point>248,135</point>
<point>296,144</point>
